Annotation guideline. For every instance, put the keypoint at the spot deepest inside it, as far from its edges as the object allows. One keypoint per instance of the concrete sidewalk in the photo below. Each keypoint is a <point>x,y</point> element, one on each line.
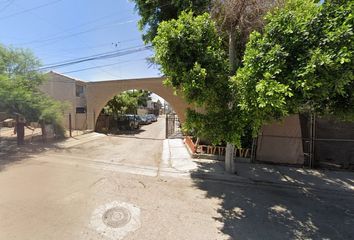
<point>176,156</point>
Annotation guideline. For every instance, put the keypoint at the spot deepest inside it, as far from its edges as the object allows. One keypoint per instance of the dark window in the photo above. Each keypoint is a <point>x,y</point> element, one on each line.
<point>80,110</point>
<point>79,90</point>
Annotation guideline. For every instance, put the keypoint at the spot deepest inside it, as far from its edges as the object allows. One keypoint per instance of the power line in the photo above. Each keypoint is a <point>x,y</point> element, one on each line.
<point>9,3</point>
<point>91,56</point>
<point>112,45</point>
<point>77,26</point>
<point>59,37</point>
<point>103,45</point>
<point>30,9</point>
<point>106,65</point>
<point>60,27</point>
<point>52,40</point>
<point>95,57</point>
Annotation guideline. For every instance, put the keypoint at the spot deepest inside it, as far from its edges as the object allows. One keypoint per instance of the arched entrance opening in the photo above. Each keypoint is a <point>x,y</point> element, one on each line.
<point>131,112</point>
<point>141,147</point>
<point>99,93</point>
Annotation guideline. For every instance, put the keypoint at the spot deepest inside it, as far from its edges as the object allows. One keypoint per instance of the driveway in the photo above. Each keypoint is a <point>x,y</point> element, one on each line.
<point>142,147</point>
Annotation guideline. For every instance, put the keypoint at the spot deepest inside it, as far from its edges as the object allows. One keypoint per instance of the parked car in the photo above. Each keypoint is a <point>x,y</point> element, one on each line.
<point>149,118</point>
<point>128,122</point>
<point>153,117</point>
<point>142,120</point>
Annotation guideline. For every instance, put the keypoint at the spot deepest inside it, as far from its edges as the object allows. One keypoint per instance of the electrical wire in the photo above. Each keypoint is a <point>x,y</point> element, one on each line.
<point>30,9</point>
<point>56,26</point>
<point>9,3</point>
<point>103,45</point>
<point>95,57</point>
<point>106,65</point>
<point>90,58</point>
<point>76,27</point>
<point>58,38</point>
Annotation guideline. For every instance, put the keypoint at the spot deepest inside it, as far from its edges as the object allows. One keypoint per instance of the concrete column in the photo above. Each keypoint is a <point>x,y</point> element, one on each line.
<point>90,111</point>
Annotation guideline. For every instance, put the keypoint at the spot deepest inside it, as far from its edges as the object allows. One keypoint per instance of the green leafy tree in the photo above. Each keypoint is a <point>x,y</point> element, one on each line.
<point>121,104</point>
<point>153,12</point>
<point>302,62</point>
<point>191,55</point>
<point>235,19</point>
<point>19,91</point>
<point>127,102</point>
<point>20,64</point>
<point>142,96</point>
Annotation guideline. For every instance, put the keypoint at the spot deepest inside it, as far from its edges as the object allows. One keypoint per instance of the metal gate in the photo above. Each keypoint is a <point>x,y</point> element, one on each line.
<point>172,125</point>
<point>328,142</point>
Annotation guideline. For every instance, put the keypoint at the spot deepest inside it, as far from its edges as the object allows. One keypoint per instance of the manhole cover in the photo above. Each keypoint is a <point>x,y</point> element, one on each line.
<point>115,220</point>
<point>116,217</point>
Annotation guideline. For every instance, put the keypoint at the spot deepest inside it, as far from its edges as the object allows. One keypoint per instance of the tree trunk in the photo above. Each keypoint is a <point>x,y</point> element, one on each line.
<point>229,151</point>
<point>232,52</point>
<point>20,131</point>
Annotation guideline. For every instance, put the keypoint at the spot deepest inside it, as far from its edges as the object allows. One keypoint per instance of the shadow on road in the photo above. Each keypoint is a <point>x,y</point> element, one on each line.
<point>132,134</point>
<point>11,153</point>
<point>266,211</point>
<point>127,132</point>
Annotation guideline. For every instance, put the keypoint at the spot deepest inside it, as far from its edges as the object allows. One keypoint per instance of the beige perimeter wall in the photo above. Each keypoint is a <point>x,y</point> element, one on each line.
<point>281,142</point>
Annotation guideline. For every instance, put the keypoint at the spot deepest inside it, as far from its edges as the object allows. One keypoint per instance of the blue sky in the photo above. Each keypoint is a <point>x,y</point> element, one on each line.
<point>59,30</point>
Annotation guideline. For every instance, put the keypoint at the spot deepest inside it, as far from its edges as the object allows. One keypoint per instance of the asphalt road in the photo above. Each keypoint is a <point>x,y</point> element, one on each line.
<point>109,187</point>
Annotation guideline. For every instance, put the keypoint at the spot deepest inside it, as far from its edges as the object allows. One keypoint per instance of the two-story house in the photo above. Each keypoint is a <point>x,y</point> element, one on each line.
<point>72,92</point>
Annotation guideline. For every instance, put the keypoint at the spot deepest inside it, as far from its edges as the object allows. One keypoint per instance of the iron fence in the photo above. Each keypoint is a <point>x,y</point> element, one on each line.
<point>173,127</point>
